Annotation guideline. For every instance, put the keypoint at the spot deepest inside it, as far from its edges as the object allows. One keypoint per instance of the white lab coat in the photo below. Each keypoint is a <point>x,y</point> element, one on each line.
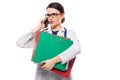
<point>27,41</point>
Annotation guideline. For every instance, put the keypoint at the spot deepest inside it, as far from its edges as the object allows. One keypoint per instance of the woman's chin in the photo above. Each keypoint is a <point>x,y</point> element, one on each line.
<point>52,25</point>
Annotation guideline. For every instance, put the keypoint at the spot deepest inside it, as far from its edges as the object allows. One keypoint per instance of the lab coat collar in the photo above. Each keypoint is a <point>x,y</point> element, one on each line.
<point>60,33</point>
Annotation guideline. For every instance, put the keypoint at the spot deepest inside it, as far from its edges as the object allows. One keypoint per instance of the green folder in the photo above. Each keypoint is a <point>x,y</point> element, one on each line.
<point>49,46</point>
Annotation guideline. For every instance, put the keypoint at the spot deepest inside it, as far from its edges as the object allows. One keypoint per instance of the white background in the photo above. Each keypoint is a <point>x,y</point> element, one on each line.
<point>96,23</point>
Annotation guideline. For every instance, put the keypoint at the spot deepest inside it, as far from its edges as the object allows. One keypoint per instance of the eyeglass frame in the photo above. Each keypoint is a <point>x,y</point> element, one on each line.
<point>53,15</point>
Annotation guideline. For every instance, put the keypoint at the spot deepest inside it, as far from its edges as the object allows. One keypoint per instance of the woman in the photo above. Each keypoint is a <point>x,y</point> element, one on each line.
<point>55,18</point>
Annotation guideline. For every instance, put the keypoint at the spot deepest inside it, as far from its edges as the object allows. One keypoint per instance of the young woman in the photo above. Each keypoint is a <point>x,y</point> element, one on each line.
<point>55,17</point>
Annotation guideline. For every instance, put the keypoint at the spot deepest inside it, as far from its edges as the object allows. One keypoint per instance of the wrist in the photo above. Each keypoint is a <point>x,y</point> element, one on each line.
<point>36,29</point>
<point>57,59</point>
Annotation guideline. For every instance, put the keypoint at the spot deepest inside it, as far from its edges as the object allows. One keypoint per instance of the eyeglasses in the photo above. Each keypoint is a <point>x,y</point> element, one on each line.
<point>53,15</point>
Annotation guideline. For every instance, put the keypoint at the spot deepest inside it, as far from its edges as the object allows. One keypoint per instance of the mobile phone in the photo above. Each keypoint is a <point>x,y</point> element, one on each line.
<point>46,22</point>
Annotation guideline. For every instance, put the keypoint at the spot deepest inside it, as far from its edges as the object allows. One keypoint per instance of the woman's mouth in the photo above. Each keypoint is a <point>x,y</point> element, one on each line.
<point>51,22</point>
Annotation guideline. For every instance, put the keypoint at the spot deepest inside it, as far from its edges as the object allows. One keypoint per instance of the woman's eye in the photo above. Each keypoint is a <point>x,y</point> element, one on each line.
<point>54,14</point>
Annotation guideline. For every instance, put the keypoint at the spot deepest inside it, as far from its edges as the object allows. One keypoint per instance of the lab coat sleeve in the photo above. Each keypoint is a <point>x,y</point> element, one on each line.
<point>73,50</point>
<point>26,40</point>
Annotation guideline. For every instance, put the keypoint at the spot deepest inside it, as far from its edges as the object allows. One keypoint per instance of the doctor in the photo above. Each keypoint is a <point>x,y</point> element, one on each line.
<point>54,18</point>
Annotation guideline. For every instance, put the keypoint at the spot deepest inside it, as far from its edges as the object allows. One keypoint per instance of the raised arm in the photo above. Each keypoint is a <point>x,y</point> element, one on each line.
<point>27,40</point>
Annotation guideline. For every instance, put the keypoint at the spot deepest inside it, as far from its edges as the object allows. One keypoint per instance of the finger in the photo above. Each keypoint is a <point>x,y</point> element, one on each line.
<point>42,64</point>
<point>46,67</point>
<point>42,20</point>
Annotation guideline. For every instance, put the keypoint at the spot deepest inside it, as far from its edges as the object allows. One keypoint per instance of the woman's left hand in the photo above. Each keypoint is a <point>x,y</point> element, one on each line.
<point>49,64</point>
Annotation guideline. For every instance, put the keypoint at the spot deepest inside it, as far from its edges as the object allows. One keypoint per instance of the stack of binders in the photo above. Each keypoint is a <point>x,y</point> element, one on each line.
<point>48,46</point>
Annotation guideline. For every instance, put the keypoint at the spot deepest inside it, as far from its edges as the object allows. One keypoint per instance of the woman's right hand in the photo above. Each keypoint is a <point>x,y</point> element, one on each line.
<point>40,25</point>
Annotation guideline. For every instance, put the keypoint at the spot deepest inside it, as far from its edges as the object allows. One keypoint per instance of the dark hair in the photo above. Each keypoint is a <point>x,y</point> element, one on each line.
<point>57,6</point>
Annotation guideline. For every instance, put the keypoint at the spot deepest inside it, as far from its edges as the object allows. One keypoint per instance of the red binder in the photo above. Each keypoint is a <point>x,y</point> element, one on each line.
<point>66,73</point>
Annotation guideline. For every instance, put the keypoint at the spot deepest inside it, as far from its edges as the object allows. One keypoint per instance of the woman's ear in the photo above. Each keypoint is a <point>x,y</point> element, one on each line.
<point>62,15</point>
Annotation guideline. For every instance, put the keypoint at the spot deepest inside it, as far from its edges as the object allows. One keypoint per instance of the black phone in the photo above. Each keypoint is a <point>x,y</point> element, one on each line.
<point>46,22</point>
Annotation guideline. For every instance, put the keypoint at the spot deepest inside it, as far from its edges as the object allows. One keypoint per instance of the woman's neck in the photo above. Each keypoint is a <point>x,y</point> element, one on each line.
<point>56,28</point>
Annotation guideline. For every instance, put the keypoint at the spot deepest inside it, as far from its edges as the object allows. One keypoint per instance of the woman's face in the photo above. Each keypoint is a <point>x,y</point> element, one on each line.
<point>54,17</point>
